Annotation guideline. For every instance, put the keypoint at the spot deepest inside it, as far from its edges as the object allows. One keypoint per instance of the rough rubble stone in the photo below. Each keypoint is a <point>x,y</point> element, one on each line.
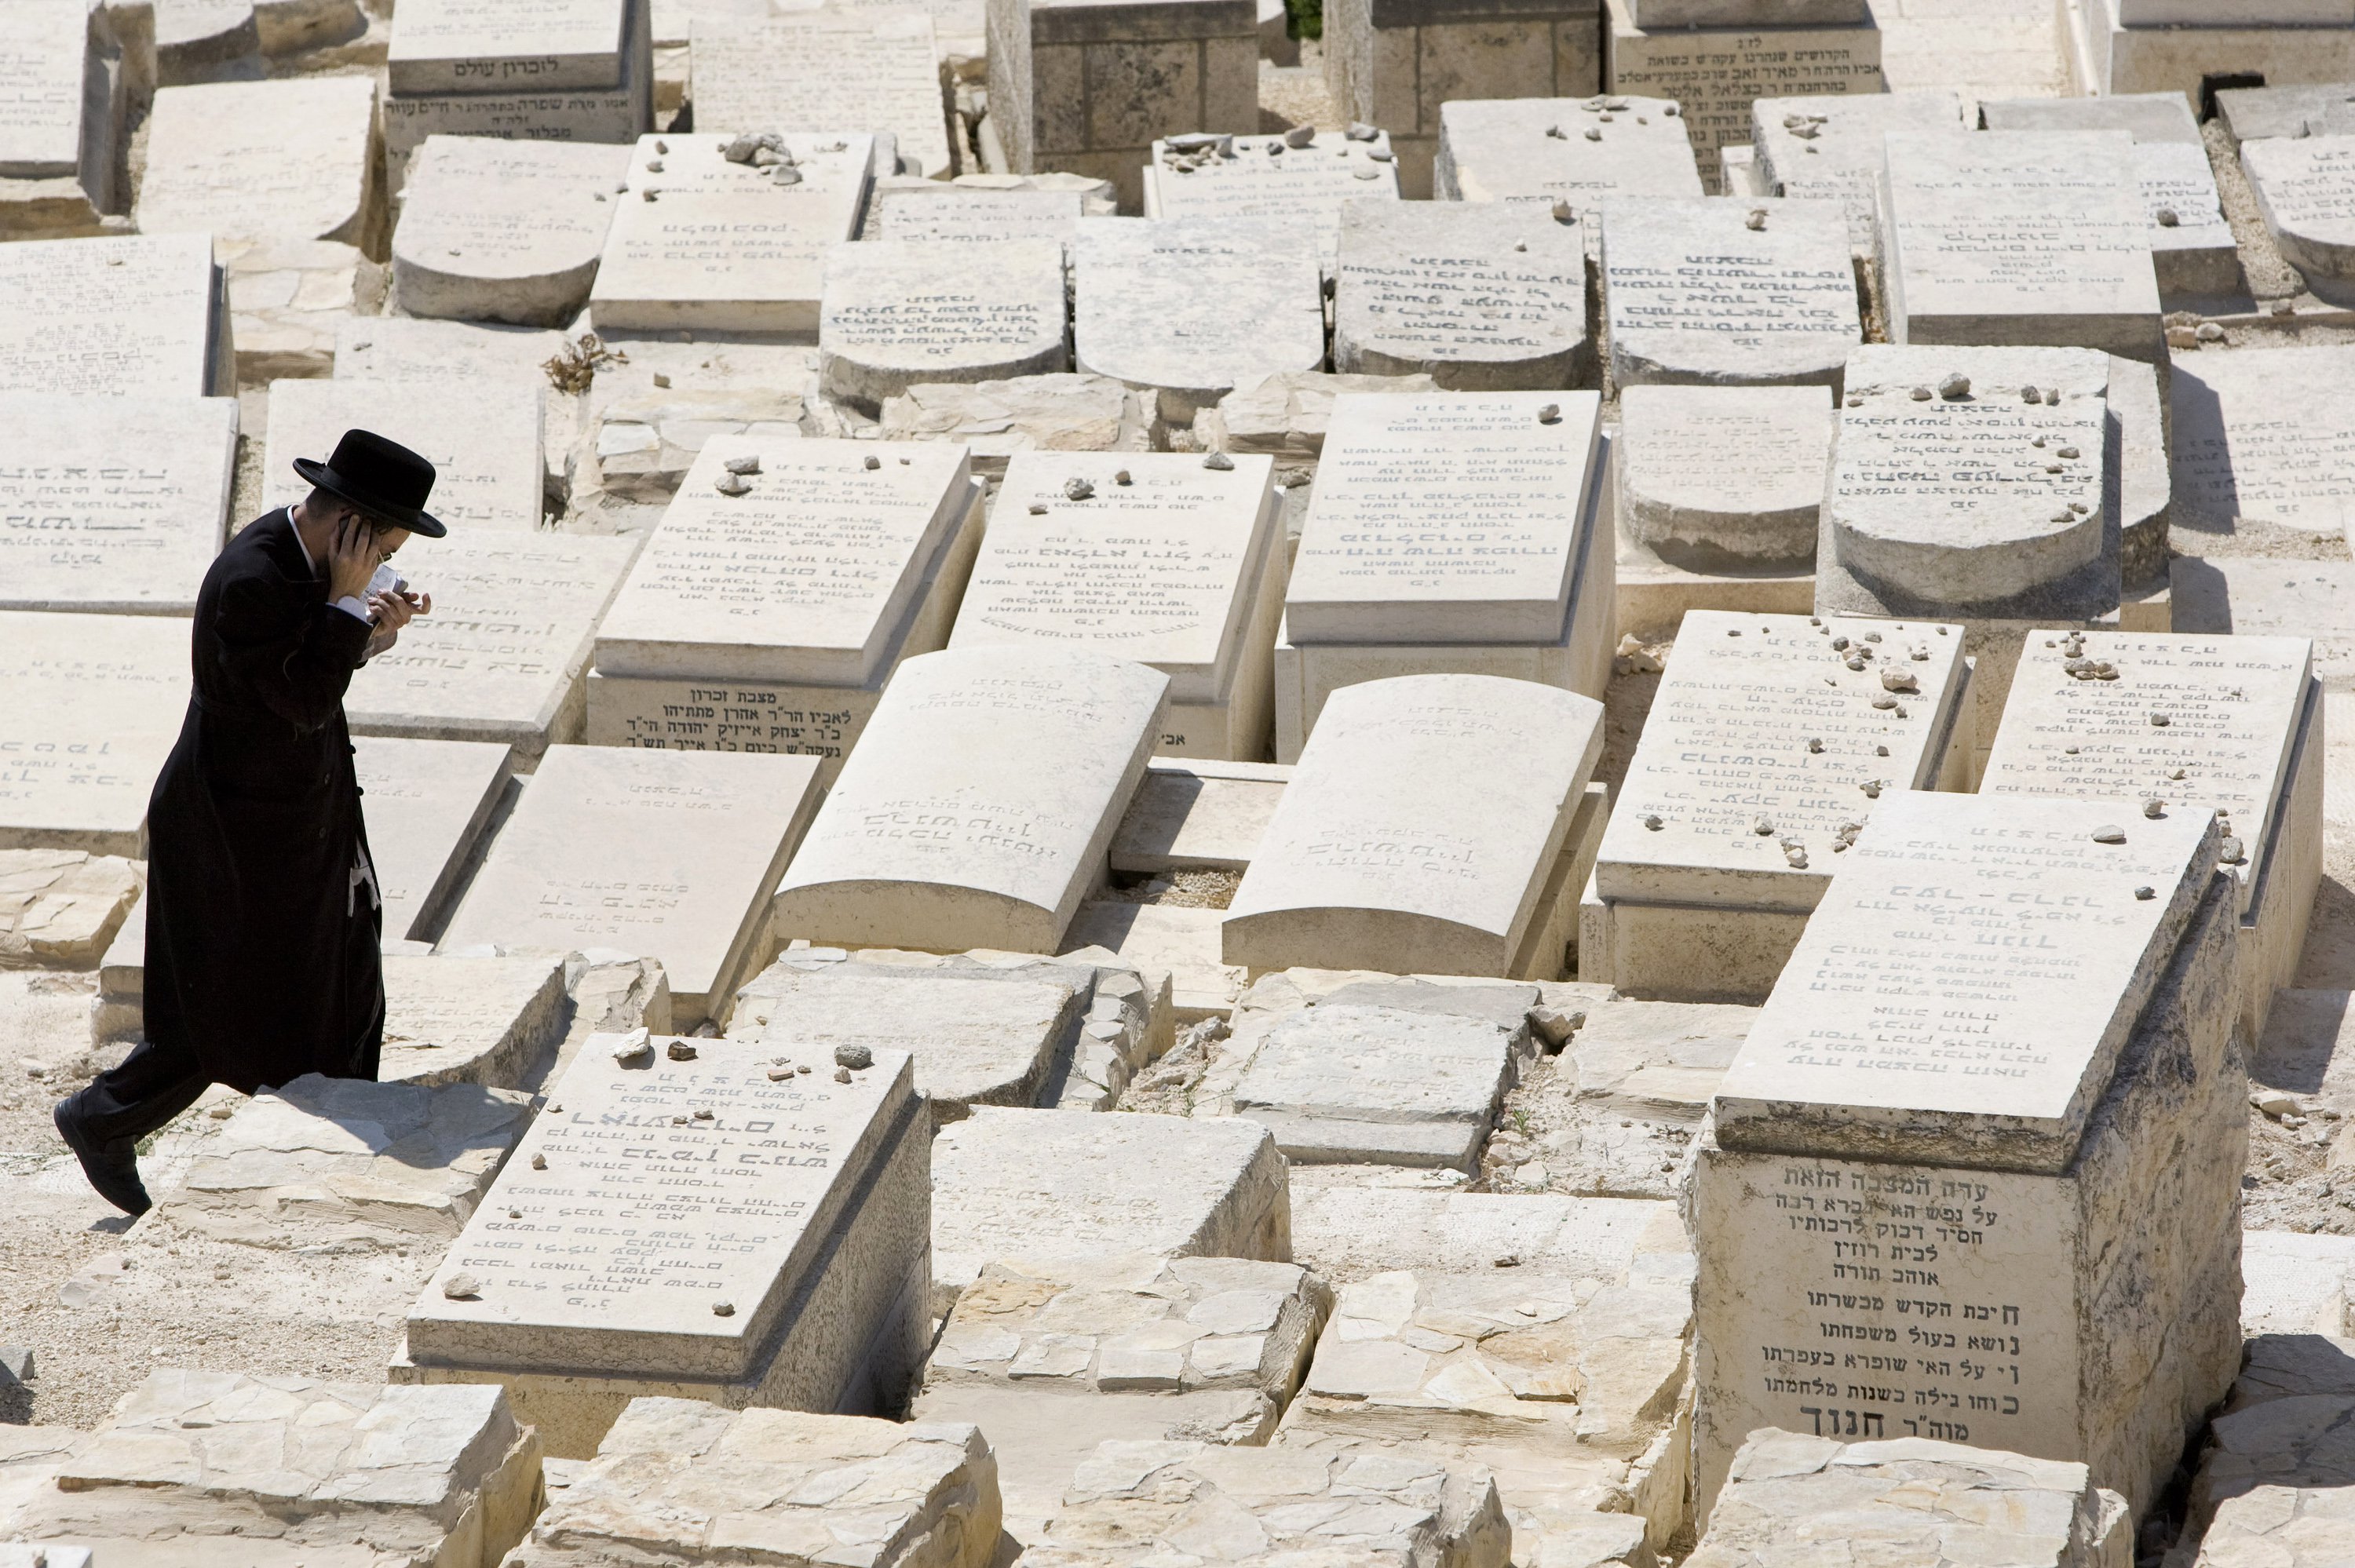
<point>59,909</point>
<point>995,419</point>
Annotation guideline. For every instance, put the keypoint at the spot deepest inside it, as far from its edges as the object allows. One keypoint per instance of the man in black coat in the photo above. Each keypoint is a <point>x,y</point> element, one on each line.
<point>263,928</point>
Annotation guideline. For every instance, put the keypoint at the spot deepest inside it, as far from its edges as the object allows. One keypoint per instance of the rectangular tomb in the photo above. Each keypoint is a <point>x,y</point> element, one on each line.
<point>816,68</point>
<point>1563,154</point>
<point>1480,297</point>
<point>1285,180</point>
<point>427,803</point>
<point>94,704</point>
<point>681,1223</point>
<point>2186,725</point>
<point>682,850</point>
<point>145,315</point>
<point>1419,831</point>
<point>1155,558</point>
<point>484,447</point>
<point>770,621</point>
<point>1770,742</point>
<point>61,124</point>
<point>978,809</point>
<point>1975,1172</point>
<point>1727,292</point>
<point>2262,440</point>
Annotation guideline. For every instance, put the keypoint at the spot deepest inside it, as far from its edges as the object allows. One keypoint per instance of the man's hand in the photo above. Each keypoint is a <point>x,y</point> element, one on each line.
<point>351,556</point>
<point>391,611</point>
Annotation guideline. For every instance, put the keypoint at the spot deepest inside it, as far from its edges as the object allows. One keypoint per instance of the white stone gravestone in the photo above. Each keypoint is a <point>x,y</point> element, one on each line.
<point>1155,558</point>
<point>95,703</point>
<point>1559,150</point>
<point>494,230</point>
<point>484,447</point>
<point>813,69</point>
<point>111,504</point>
<point>136,315</point>
<point>2263,438</point>
<point>1480,297</point>
<point>687,849</point>
<point>259,160</point>
<point>60,118</point>
<point>1421,831</point>
<point>2305,193</point>
<point>770,621</point>
<point>2261,597</point>
<point>1770,742</point>
<point>978,807</point>
<point>427,803</point>
<point>896,314</point>
<point>932,209</point>
<point>1300,183</point>
<point>1724,479</point>
<point>1831,146</point>
<point>690,1225</point>
<point>1727,290</point>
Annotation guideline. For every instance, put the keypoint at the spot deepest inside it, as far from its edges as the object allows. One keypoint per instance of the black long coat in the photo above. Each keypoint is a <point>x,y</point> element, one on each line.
<point>262,957</point>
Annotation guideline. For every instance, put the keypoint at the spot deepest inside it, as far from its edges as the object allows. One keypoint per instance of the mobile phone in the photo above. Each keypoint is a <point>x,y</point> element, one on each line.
<point>386,580</point>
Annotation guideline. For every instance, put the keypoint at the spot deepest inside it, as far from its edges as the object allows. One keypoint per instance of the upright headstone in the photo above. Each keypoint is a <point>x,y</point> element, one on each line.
<point>1566,153</point>
<point>2187,726</point>
<point>261,160</point>
<point>1725,480</point>
<point>1154,557</point>
<point>1830,147</point>
<point>704,243</point>
<point>1449,534</point>
<point>484,447</point>
<point>1386,854</point>
<point>1715,73</point>
<point>768,621</point>
<point>1950,1191</point>
<point>1481,297</point>
<point>2305,193</point>
<point>691,1224</point>
<point>898,312</point>
<point>427,803</point>
<point>1190,307</point>
<point>687,848</point>
<point>1087,89</point>
<point>94,704</point>
<point>111,504</point>
<point>2019,236</point>
<point>1770,740</point>
<point>60,119</point>
<point>1399,63</point>
<point>503,655</point>
<point>2262,440</point>
<point>930,210</point>
<point>1279,178</point>
<point>1727,290</point>
<point>977,809</point>
<point>504,231</point>
<point>825,69</point>
<point>137,314</point>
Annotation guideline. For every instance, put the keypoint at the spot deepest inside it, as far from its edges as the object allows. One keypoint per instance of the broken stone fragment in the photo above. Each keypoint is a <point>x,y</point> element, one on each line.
<point>463,1286</point>
<point>1795,858</point>
<point>1757,219</point>
<point>2030,395</point>
<point>731,485</point>
<point>1078,489</point>
<point>1896,680</point>
<point>1219,461</point>
<point>2232,853</point>
<point>1038,509</point>
<point>1555,1025</point>
<point>1954,385</point>
<point>742,465</point>
<point>681,1051</point>
<point>1300,136</point>
<point>874,462</point>
<point>855,1056</point>
<point>1920,394</point>
<point>1762,826</point>
<point>1652,820</point>
<point>1360,132</point>
<point>634,1049</point>
<point>1593,134</point>
<point>2154,807</point>
<point>2159,721</point>
<point>2145,892</point>
<point>2109,835</point>
<point>539,1162</point>
<point>1556,132</point>
<point>2166,218</point>
<point>842,1074</point>
<point>1120,477</point>
<point>1549,413</point>
<point>723,1309</point>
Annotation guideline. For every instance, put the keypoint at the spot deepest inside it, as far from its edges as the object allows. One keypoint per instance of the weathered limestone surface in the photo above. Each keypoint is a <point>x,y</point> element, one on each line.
<point>119,315</point>
<point>250,160</point>
<point>2258,441</point>
<point>469,1020</point>
<point>1909,1500</point>
<point>1725,479</point>
<point>905,208</point>
<point>1306,186</point>
<point>1565,152</point>
<point>2273,1485</point>
<point>2256,595</point>
<point>95,703</point>
<point>678,1481</point>
<point>62,126</point>
<point>1049,1185</point>
<point>1727,290</point>
<point>2306,191</point>
<point>485,451</point>
<point>1197,816</point>
<point>996,419</point>
<point>810,70</point>
<point>1032,754</point>
<point>427,804</point>
<point>1288,415</point>
<point>60,908</point>
<point>889,319</point>
<point>1831,146</point>
<point>1479,297</point>
<point>1405,66</point>
<point>494,230</point>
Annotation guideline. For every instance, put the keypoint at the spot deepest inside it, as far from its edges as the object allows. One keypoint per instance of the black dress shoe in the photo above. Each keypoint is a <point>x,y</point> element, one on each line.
<point>112,1169</point>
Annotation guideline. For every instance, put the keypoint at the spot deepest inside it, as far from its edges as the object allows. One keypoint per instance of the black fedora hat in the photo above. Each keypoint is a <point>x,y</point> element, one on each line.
<point>382,477</point>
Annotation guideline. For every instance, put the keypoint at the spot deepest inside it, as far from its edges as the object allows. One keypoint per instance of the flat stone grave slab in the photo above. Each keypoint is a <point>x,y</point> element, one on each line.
<point>95,703</point>
<point>897,312</point>
<point>691,846</point>
<point>496,230</point>
<point>2019,236</point>
<point>768,615</point>
<point>938,211</point>
<point>114,505</point>
<point>400,348</point>
<point>1379,1086</point>
<point>1048,1186</point>
<point>683,1480</point>
<point>724,1235</point>
<point>62,121</point>
<point>1344,876</point>
<point>1727,290</point>
<point>808,71</point>
<point>2292,109</point>
<point>2007,1018</point>
<point>467,1019</point>
<point>2305,193</point>
<point>977,808</point>
<point>255,159</point>
<point>298,1471</point>
<point>979,1039</point>
<point>489,474</point>
<point>1155,558</point>
<point>471,46</point>
<point>2261,441</point>
<point>1190,308</point>
<point>136,315</point>
<point>701,244</point>
<point>1558,151</point>
<point>340,1162</point>
<point>1269,177</point>
<point>2190,726</point>
<point>1771,742</point>
<point>2273,1480</point>
<point>1480,297</point>
<point>995,419</point>
<point>2192,251</point>
<point>1949,488</point>
<point>2253,596</point>
<point>2148,116</point>
<point>1830,147</point>
<point>427,803</point>
<point>1287,416</point>
<point>1724,479</point>
<point>501,657</point>
<point>1511,468</point>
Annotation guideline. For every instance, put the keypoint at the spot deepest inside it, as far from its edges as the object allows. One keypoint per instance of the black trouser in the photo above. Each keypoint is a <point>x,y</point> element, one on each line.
<point>154,1083</point>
